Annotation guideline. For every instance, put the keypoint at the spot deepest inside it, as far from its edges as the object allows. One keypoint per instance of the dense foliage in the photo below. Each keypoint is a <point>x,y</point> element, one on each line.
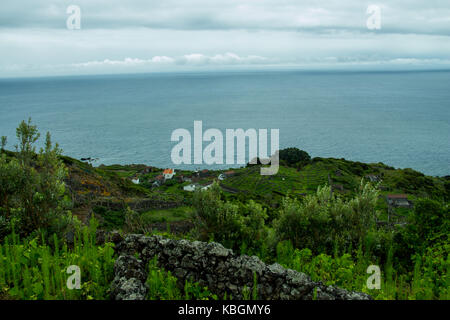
<point>294,218</point>
<point>336,239</point>
<point>32,185</point>
<point>36,268</point>
<point>294,156</point>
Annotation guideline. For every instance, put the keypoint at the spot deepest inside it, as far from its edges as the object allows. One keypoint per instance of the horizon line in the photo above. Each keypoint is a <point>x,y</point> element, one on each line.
<point>223,71</point>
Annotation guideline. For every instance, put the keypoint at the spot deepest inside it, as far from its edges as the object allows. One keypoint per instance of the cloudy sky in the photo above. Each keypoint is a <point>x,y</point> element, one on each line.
<point>182,35</point>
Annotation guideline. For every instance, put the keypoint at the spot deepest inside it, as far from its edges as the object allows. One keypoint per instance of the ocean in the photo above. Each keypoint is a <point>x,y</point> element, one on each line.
<point>399,118</point>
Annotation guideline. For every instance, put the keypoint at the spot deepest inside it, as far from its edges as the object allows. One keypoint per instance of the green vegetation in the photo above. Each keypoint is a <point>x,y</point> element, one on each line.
<point>294,157</point>
<point>167,215</point>
<point>162,285</point>
<point>323,221</point>
<point>35,268</point>
<point>335,239</point>
<point>326,217</point>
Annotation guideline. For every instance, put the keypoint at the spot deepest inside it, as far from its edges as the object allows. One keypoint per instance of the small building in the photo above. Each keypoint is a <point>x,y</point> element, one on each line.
<point>158,181</point>
<point>135,180</point>
<point>373,178</point>
<point>207,186</point>
<point>204,173</point>
<point>146,170</point>
<point>168,173</point>
<point>229,173</point>
<point>190,188</point>
<point>221,177</point>
<point>156,184</point>
<point>398,200</point>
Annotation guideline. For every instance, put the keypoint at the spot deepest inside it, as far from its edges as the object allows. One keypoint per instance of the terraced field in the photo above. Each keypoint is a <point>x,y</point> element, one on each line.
<point>288,180</point>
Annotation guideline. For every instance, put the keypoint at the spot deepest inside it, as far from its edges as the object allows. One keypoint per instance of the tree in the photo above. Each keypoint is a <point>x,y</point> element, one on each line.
<point>27,135</point>
<point>50,193</point>
<point>33,184</point>
<point>293,156</point>
<point>427,224</point>
<point>3,143</point>
<point>11,182</point>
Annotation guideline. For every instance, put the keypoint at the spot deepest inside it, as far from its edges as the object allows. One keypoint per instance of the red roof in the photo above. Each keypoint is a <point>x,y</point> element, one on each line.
<point>168,171</point>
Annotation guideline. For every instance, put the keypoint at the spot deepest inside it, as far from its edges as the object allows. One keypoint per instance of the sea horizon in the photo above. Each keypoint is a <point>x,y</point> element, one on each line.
<point>331,104</point>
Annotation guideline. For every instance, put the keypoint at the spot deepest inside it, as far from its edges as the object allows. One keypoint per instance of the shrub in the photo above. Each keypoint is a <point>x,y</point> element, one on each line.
<point>293,156</point>
<point>235,225</point>
<point>322,220</point>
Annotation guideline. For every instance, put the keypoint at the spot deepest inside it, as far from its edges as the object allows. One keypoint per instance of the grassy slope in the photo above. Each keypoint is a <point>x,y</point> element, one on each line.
<point>88,184</point>
<point>344,172</point>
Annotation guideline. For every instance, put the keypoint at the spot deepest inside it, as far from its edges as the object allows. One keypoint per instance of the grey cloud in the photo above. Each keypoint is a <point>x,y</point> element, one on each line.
<point>415,16</point>
<point>199,34</point>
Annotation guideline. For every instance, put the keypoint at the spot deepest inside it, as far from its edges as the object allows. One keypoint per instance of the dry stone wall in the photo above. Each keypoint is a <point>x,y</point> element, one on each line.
<point>216,267</point>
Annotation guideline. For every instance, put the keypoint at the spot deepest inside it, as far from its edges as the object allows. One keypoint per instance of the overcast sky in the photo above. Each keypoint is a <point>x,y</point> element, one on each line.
<point>179,35</point>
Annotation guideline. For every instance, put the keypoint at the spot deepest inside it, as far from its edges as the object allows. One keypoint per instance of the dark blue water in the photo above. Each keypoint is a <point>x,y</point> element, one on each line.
<point>399,118</point>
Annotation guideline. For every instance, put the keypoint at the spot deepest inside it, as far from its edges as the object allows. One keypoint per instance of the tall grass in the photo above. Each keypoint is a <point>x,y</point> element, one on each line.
<point>349,271</point>
<point>36,268</point>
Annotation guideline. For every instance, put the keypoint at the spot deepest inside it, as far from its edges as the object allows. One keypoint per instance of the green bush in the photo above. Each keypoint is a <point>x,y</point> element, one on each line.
<point>322,221</point>
<point>294,156</point>
<point>235,225</point>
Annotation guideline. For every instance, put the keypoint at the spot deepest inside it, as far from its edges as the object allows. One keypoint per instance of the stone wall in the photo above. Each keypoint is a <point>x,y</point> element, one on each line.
<point>213,266</point>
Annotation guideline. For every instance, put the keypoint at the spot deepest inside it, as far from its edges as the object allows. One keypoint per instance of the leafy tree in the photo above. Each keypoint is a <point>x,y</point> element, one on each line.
<point>294,155</point>
<point>4,140</point>
<point>428,225</point>
<point>33,184</point>
<point>27,134</point>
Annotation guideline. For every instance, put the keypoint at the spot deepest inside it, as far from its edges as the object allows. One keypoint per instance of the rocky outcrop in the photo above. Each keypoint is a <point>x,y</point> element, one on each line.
<point>218,268</point>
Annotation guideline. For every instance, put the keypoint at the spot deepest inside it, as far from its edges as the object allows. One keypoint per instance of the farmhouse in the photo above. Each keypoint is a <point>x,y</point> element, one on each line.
<point>168,173</point>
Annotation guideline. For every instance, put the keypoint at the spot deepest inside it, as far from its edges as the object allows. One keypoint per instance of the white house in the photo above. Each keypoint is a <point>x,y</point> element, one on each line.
<point>207,186</point>
<point>190,188</point>
<point>135,180</point>
<point>168,173</point>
